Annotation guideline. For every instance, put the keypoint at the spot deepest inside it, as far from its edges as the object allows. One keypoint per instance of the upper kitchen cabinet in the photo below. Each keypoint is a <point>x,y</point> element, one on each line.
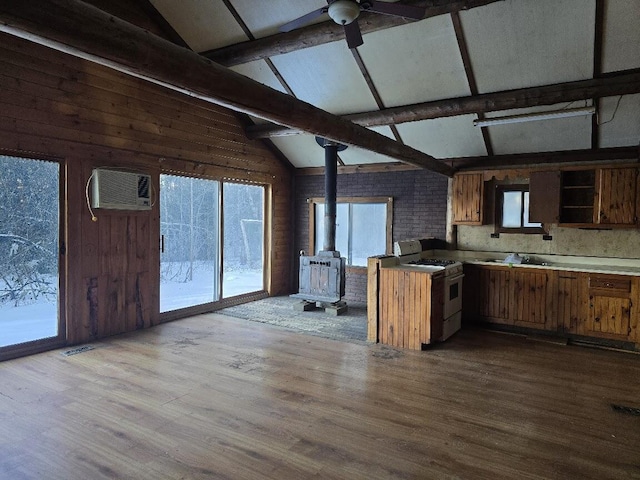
<point>544,197</point>
<point>617,196</point>
<point>578,196</point>
<point>588,197</point>
<point>468,192</point>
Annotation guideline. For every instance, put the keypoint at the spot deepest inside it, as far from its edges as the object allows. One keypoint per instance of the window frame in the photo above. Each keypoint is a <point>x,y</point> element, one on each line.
<point>499,208</point>
<point>388,201</point>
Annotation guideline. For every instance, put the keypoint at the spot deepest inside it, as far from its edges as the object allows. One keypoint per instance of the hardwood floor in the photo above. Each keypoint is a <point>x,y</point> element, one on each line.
<point>218,397</point>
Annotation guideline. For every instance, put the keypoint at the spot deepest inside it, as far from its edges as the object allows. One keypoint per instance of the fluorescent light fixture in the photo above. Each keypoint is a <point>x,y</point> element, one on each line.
<point>531,117</point>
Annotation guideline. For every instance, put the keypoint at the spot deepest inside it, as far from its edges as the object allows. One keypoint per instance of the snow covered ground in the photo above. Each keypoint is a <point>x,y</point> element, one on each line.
<point>25,323</point>
<point>175,295</point>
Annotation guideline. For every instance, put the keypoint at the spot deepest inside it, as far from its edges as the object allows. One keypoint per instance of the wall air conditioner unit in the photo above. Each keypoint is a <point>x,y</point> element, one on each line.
<point>119,190</point>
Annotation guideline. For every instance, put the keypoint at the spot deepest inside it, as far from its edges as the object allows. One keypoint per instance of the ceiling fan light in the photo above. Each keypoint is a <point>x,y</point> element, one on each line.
<point>344,12</point>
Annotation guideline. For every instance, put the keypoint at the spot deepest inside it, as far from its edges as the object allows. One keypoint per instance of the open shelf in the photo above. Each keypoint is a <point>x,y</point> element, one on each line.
<point>578,189</point>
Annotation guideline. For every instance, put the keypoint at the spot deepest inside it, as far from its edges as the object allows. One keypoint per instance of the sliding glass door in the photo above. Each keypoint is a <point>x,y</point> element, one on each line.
<point>29,252</point>
<point>190,242</point>
<point>243,239</point>
<point>201,261</point>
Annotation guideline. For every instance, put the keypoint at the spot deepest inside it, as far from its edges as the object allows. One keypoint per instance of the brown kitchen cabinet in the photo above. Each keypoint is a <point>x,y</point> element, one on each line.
<point>616,203</point>
<point>410,307</point>
<point>468,193</point>
<point>588,197</point>
<point>611,301</point>
<point>568,302</point>
<point>522,297</point>
<point>578,197</point>
<point>544,197</point>
<point>531,298</point>
<point>573,289</point>
<point>486,294</point>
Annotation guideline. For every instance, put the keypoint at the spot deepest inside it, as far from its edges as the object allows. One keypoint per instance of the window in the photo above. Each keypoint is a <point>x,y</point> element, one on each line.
<point>212,240</point>
<point>512,210</point>
<point>363,227</point>
<point>243,258</point>
<point>30,273</point>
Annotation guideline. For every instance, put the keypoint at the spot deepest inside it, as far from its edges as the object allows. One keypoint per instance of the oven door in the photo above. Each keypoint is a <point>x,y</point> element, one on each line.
<point>452,295</point>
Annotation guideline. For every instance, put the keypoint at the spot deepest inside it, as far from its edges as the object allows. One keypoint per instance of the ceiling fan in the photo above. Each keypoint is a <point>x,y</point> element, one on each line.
<point>346,12</point>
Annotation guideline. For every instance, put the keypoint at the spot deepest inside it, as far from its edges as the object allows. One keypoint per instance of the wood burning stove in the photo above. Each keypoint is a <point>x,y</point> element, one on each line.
<point>322,277</point>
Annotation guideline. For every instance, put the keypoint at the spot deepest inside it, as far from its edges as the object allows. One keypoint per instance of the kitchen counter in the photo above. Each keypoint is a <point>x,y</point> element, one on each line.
<point>418,268</point>
<point>614,266</point>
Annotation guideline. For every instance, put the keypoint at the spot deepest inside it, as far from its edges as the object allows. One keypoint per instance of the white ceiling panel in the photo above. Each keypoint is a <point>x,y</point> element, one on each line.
<point>203,24</point>
<point>417,62</point>
<point>326,76</point>
<point>524,43</point>
<point>620,123</point>
<point>301,150</point>
<point>265,21</point>
<point>448,137</point>
<point>360,156</point>
<point>621,45</point>
<point>260,72</point>
<point>540,136</point>
<point>357,156</point>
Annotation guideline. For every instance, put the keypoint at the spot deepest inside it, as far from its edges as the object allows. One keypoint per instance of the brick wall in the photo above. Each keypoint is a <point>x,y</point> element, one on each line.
<point>419,210</point>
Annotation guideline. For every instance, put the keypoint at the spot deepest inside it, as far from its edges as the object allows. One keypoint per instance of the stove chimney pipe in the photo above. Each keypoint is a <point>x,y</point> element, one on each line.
<point>331,150</point>
<point>330,194</point>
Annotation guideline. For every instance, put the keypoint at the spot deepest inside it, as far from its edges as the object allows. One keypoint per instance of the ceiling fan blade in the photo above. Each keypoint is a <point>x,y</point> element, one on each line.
<point>353,34</point>
<point>303,20</point>
<point>397,9</point>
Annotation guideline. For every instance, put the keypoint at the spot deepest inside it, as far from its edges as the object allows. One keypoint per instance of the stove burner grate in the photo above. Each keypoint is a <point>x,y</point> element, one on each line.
<point>437,262</point>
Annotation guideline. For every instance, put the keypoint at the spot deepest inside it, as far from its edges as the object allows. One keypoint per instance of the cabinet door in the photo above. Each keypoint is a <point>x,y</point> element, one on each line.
<point>609,307</point>
<point>571,305</point>
<point>468,191</point>
<point>532,299</point>
<point>493,295</point>
<point>617,196</point>
<point>544,197</point>
<point>609,317</point>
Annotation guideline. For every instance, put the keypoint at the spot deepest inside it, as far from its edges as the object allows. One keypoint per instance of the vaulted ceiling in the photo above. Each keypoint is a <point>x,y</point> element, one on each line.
<point>419,83</point>
<point>421,78</point>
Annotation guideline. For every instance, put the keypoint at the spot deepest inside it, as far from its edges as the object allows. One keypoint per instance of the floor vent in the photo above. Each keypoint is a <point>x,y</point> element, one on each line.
<point>625,409</point>
<point>75,351</point>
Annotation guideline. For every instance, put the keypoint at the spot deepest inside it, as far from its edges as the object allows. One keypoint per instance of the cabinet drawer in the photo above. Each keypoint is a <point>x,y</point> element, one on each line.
<point>609,283</point>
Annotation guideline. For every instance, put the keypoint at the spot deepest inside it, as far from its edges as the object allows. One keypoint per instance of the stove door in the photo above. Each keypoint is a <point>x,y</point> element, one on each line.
<point>452,294</point>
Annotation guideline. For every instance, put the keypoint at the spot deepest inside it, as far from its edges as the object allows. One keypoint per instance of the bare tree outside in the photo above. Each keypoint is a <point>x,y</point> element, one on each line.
<point>29,243</point>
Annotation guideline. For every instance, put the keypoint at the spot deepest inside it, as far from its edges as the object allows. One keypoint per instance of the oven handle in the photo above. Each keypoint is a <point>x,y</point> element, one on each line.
<point>454,279</point>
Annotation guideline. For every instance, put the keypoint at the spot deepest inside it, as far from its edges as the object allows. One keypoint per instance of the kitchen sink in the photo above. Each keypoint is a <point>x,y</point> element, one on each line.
<point>530,261</point>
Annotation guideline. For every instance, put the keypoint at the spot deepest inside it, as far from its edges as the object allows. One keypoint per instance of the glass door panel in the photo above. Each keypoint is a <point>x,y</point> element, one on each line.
<point>243,239</point>
<point>29,251</point>
<point>190,257</point>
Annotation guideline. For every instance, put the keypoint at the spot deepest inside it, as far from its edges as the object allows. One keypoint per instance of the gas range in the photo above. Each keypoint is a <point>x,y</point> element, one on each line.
<point>410,252</point>
<point>450,267</point>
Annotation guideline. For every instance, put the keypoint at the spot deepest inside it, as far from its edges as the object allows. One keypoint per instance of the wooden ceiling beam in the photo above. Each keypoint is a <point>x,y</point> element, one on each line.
<point>84,31</point>
<point>326,32</point>
<point>544,158</point>
<point>617,154</point>
<point>617,83</point>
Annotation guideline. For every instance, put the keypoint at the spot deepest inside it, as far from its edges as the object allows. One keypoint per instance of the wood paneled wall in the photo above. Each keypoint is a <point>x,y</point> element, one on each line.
<point>56,106</point>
